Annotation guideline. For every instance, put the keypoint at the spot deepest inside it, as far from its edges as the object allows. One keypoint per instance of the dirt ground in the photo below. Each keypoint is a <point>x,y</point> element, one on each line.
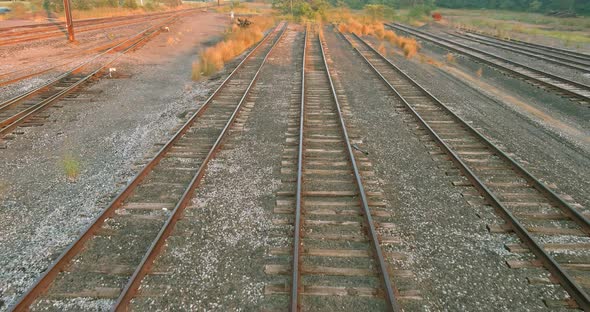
<point>108,129</point>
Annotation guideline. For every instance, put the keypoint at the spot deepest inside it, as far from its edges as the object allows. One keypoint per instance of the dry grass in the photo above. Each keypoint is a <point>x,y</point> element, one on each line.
<point>427,60</point>
<point>382,49</point>
<point>450,57</point>
<point>533,27</point>
<point>409,46</point>
<point>236,42</point>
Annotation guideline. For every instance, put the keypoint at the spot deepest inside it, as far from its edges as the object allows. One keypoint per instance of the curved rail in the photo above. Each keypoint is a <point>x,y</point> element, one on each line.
<point>45,280</point>
<point>565,279</point>
<point>565,86</point>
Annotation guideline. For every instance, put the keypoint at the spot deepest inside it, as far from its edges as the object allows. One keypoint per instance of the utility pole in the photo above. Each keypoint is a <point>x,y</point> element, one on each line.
<point>69,23</point>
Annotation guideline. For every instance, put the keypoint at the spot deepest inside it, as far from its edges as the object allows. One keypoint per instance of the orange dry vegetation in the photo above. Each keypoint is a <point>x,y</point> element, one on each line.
<point>236,42</point>
<point>408,45</point>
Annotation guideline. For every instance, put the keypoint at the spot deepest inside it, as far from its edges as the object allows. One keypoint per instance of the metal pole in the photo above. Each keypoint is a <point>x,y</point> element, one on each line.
<point>69,22</point>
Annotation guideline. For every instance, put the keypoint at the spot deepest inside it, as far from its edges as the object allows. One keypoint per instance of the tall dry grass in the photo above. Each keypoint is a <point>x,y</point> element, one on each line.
<point>236,41</point>
<point>409,46</point>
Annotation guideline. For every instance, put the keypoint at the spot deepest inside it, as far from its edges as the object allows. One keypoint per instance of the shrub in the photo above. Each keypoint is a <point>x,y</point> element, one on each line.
<point>409,46</point>
<point>235,42</point>
<point>132,4</point>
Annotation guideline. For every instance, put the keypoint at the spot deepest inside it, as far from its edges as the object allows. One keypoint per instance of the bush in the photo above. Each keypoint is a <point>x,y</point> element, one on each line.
<point>132,4</point>
<point>236,42</point>
<point>420,11</point>
<point>378,12</point>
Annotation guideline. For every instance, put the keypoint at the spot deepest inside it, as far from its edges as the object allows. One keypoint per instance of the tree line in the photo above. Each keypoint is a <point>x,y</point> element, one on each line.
<point>421,7</point>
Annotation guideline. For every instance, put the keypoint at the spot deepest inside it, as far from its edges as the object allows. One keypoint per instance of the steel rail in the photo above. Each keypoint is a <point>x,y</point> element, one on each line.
<point>15,120</point>
<point>393,304</point>
<point>30,71</point>
<point>147,261</point>
<point>296,274</point>
<point>23,96</point>
<point>568,283</point>
<point>584,67</point>
<point>553,54</point>
<point>58,33</point>
<point>45,280</point>
<point>570,53</point>
<point>26,36</point>
<point>448,44</point>
<point>90,20</point>
<point>568,209</point>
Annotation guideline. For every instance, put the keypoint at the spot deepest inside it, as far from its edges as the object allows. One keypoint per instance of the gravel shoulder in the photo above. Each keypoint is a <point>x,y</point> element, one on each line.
<point>459,266</point>
<point>107,129</point>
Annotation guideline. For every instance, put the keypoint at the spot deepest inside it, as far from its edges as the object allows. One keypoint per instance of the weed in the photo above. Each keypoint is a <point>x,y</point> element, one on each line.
<point>71,167</point>
<point>450,58</point>
<point>479,72</point>
<point>196,71</point>
<point>236,41</point>
<point>409,46</point>
<point>381,49</point>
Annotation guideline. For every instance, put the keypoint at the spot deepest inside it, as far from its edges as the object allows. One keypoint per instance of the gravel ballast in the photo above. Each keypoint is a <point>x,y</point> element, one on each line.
<point>458,264</point>
<point>216,260</point>
<point>105,132</point>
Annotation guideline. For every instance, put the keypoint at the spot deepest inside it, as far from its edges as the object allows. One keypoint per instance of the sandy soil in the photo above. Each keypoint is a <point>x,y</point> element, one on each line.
<point>106,131</point>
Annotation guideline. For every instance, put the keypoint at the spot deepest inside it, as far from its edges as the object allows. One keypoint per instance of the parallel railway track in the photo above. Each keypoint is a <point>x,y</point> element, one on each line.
<point>114,253</point>
<point>567,61</point>
<point>553,230</point>
<point>337,258</point>
<point>24,108</point>
<point>537,47</point>
<point>11,36</point>
<point>575,91</point>
<point>63,61</point>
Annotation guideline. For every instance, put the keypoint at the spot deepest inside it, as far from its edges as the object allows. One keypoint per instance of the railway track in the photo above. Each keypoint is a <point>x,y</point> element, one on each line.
<point>13,35</point>
<point>567,61</point>
<point>110,258</point>
<point>572,90</point>
<point>337,258</point>
<point>24,109</point>
<point>71,60</point>
<point>553,230</point>
<point>536,47</point>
